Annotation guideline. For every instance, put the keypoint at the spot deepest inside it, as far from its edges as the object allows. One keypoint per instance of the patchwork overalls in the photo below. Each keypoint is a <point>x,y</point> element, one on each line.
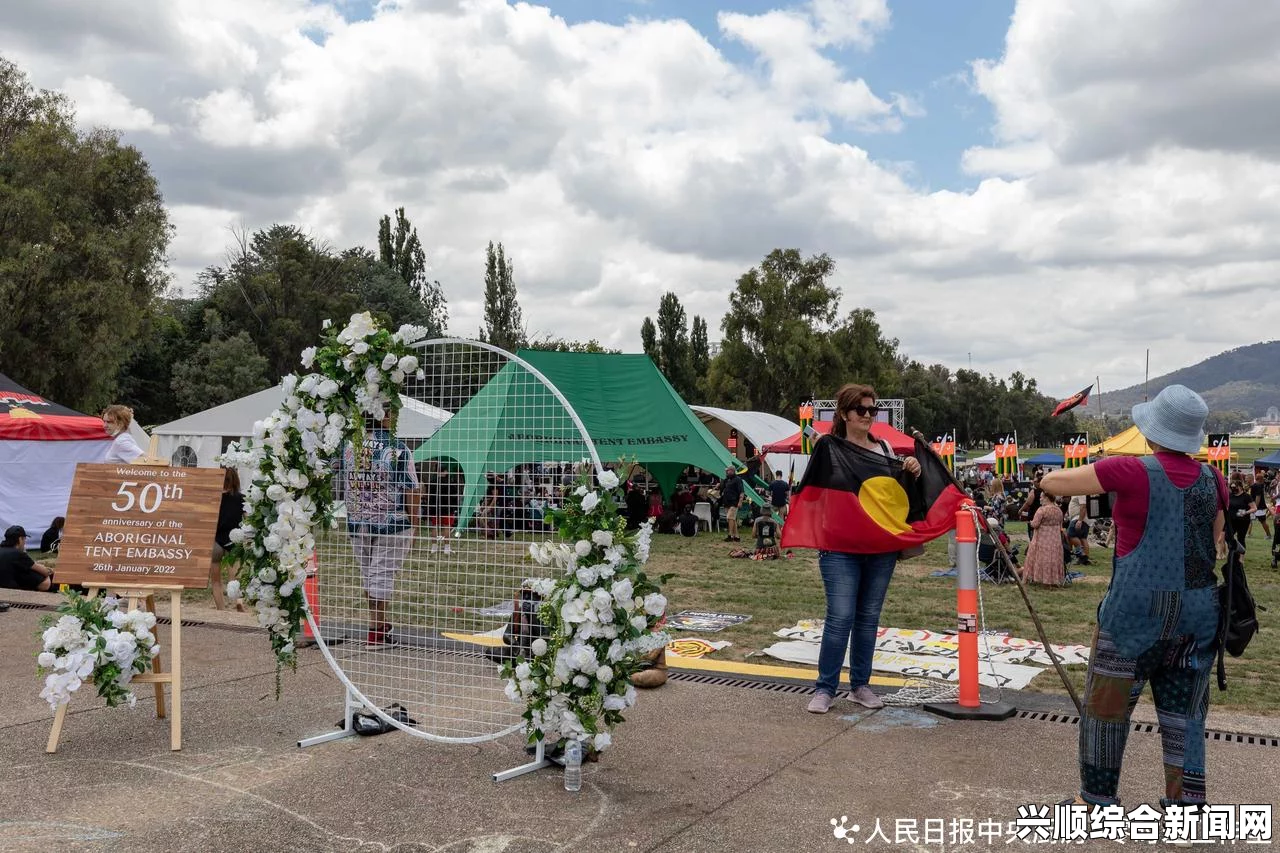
<point>1157,623</point>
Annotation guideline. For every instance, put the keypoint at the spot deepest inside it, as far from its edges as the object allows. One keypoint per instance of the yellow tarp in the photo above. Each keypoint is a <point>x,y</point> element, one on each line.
<point>1131,443</point>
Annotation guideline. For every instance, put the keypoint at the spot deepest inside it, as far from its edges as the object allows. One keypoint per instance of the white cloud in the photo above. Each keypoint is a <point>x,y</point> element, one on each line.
<point>100,104</point>
<point>1126,199</point>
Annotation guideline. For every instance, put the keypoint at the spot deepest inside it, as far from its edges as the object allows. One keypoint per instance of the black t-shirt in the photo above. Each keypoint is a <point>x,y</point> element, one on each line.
<point>17,570</point>
<point>49,541</point>
<point>732,492</point>
<point>778,492</point>
<point>766,533</point>
<point>1236,504</point>
<point>230,513</point>
<point>688,524</point>
<point>1258,491</point>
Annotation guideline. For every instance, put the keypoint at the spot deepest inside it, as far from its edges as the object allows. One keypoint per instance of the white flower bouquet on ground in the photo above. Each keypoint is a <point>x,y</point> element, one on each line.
<point>601,612</point>
<point>95,639</point>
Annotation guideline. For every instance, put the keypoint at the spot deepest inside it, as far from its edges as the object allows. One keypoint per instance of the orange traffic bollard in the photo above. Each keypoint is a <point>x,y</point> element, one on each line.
<point>311,591</point>
<point>969,703</point>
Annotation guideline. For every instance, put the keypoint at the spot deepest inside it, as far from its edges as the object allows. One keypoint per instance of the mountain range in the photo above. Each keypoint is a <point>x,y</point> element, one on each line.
<point>1245,379</point>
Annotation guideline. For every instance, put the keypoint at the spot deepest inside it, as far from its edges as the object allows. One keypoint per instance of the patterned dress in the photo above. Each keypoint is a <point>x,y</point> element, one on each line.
<point>1044,556</point>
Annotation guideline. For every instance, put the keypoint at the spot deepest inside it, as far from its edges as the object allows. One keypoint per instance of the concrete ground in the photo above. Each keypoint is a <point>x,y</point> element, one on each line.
<point>697,767</point>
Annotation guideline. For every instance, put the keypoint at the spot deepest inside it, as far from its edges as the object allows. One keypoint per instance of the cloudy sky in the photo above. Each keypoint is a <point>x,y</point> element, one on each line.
<point>1035,185</point>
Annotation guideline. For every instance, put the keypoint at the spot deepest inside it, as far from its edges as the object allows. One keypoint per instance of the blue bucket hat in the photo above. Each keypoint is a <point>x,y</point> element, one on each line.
<point>1174,419</point>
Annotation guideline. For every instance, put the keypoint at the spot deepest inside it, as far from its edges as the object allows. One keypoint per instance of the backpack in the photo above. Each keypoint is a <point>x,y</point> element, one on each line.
<point>1238,612</point>
<point>525,626</point>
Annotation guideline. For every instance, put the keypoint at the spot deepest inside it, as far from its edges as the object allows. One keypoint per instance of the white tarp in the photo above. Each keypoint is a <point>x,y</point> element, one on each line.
<point>760,428</point>
<point>1003,659</point>
<point>35,481</point>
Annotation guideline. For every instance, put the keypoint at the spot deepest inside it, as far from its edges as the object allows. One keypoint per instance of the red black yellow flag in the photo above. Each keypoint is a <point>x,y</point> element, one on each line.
<point>1077,399</point>
<point>862,502</point>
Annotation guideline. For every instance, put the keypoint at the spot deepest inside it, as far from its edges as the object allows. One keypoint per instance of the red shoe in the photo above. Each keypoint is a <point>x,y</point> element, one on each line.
<point>378,636</point>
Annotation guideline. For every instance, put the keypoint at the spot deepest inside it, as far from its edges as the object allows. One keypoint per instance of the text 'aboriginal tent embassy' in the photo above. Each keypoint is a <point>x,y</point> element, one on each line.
<point>628,408</point>
<point>41,443</point>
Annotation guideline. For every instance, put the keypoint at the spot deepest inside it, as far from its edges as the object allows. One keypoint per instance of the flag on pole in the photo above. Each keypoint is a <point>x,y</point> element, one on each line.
<point>861,502</point>
<point>1220,452</point>
<point>1075,450</point>
<point>945,446</point>
<point>1007,454</point>
<point>1080,398</point>
<point>806,419</point>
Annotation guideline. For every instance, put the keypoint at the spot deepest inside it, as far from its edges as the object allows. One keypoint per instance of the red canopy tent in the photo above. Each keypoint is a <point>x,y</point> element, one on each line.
<point>41,443</point>
<point>900,442</point>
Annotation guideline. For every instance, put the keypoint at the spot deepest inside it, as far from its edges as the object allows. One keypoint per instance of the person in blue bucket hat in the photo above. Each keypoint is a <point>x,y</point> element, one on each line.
<point>1158,622</point>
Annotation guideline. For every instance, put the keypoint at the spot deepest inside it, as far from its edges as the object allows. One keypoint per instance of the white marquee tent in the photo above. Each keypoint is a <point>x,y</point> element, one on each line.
<point>197,440</point>
<point>760,428</point>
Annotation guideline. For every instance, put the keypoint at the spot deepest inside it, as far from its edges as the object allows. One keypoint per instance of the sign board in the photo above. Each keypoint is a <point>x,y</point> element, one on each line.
<point>1075,450</point>
<point>135,524</point>
<point>1220,451</point>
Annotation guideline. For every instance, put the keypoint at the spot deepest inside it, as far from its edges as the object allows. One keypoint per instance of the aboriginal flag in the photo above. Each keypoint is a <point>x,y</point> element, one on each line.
<point>862,502</point>
<point>1079,398</point>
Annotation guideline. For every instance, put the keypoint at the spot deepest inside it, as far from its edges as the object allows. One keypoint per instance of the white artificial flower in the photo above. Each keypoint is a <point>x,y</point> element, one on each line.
<point>587,575</point>
<point>655,604</point>
<point>573,611</point>
<point>308,357</point>
<point>622,591</point>
<point>289,383</point>
<point>614,702</point>
<point>45,659</point>
<point>582,547</point>
<point>326,324</point>
<point>603,538</point>
<point>389,361</point>
<point>589,501</point>
<point>581,491</point>
<point>601,741</point>
<point>538,647</point>
<point>608,480</point>
<point>360,347</point>
<point>639,623</point>
<point>408,364</point>
<point>581,681</point>
<point>604,674</point>
<point>523,670</point>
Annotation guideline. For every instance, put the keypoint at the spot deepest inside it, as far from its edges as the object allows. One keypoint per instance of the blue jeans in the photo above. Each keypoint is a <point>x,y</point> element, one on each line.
<point>856,585</point>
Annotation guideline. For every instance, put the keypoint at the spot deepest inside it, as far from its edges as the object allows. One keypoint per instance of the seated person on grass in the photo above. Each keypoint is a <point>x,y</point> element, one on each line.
<point>765,529</point>
<point>688,522</point>
<point>17,569</point>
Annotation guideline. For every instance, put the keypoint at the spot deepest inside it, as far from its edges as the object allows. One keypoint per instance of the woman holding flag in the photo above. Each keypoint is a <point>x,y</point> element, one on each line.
<point>855,584</point>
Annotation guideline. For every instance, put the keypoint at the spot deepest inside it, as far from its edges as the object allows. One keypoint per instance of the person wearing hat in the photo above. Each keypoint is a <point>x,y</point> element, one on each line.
<point>17,569</point>
<point>1158,622</point>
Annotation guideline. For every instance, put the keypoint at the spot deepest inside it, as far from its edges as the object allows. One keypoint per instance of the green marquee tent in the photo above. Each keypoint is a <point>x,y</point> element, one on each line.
<point>627,406</point>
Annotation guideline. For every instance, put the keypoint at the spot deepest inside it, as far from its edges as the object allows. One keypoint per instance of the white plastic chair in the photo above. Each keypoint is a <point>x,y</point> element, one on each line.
<point>703,512</point>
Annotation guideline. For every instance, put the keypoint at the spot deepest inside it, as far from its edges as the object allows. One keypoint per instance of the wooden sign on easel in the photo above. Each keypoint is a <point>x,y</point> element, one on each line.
<point>137,530</point>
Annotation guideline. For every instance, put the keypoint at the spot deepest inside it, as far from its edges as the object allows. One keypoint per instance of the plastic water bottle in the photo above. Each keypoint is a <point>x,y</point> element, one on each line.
<point>573,766</point>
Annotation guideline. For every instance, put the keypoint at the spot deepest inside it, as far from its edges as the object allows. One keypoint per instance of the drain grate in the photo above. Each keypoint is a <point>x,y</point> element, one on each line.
<point>1152,728</point>
<point>735,681</point>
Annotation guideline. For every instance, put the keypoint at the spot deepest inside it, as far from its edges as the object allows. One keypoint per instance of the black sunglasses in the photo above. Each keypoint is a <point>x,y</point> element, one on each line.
<point>863,411</point>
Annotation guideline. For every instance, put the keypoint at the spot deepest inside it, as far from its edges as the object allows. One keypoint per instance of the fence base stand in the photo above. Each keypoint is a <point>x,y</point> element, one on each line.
<point>955,711</point>
<point>539,761</point>
<point>349,707</point>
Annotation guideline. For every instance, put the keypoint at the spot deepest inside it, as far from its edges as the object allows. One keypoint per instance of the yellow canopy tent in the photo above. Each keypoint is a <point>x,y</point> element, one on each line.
<point>1131,443</point>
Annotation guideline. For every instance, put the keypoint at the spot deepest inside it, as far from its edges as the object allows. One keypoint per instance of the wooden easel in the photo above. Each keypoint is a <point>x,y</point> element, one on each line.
<point>143,594</point>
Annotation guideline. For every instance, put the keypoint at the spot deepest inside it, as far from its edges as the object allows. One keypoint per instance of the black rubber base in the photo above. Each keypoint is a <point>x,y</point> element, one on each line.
<point>953,711</point>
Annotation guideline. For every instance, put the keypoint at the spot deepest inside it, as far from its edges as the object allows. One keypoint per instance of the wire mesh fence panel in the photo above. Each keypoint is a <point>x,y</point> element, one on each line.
<point>416,583</point>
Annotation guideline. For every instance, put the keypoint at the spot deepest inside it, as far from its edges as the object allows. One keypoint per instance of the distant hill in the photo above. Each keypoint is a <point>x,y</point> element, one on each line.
<point>1246,379</point>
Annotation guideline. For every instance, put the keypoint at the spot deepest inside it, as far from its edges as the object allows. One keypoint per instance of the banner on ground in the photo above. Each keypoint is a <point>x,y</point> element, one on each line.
<point>935,654</point>
<point>945,446</point>
<point>1220,451</point>
<point>859,501</point>
<point>705,620</point>
<point>1075,450</point>
<point>696,647</point>
<point>1007,454</point>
